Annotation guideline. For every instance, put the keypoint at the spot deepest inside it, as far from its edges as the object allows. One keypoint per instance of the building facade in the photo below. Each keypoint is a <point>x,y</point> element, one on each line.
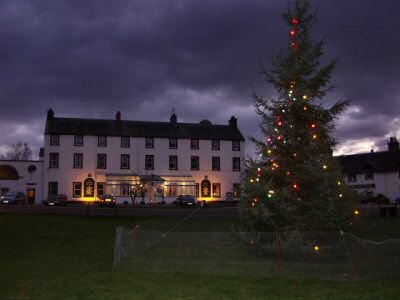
<point>374,173</point>
<point>155,161</point>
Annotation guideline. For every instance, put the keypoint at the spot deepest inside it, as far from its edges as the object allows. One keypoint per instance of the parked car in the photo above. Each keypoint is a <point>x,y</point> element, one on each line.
<point>107,200</point>
<point>13,198</point>
<point>58,199</point>
<point>186,200</point>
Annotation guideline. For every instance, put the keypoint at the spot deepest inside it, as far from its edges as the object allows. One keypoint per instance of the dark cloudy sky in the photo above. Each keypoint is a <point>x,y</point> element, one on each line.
<point>144,57</point>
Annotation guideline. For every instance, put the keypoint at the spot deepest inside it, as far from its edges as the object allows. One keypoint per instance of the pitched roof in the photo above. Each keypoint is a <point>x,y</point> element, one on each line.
<point>203,130</point>
<point>387,161</point>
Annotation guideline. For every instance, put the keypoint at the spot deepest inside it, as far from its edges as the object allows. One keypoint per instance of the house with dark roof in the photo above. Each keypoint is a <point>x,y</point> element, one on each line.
<point>87,158</point>
<point>375,172</point>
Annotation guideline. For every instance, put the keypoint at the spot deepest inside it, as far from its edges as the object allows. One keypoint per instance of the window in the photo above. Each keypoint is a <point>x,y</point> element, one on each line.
<point>125,142</point>
<point>351,177</point>
<point>54,140</point>
<point>124,190</point>
<point>149,162</point>
<point>53,188</point>
<point>236,164</point>
<point>194,144</point>
<point>124,161</point>
<point>77,189</point>
<point>235,145</point>
<point>173,162</point>
<point>78,160</point>
<point>78,140</point>
<point>149,142</point>
<point>101,161</point>
<point>236,190</point>
<point>54,159</point>
<point>215,163</point>
<point>215,144</point>
<point>102,141</point>
<point>369,174</point>
<point>100,188</point>
<point>197,189</point>
<point>173,143</point>
<point>195,163</point>
<point>216,190</point>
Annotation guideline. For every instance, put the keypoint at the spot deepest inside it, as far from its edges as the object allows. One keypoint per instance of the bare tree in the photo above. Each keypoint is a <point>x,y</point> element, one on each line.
<point>18,151</point>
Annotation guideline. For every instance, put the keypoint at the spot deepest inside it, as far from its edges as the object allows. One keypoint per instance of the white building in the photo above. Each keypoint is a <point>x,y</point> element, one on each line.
<point>86,158</point>
<point>375,172</point>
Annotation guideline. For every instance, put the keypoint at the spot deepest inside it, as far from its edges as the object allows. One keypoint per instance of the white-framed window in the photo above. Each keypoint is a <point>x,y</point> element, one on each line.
<point>195,163</point>
<point>149,142</point>
<point>236,163</point>
<point>216,190</point>
<point>194,144</point>
<point>215,163</point>
<point>102,141</point>
<point>235,145</point>
<point>100,188</point>
<point>173,143</point>
<point>101,161</point>
<point>214,144</point>
<point>149,162</point>
<point>54,160</point>
<point>54,140</point>
<point>173,162</point>
<point>352,177</point>
<point>78,160</point>
<point>78,140</point>
<point>77,189</point>
<point>125,142</point>
<point>125,161</point>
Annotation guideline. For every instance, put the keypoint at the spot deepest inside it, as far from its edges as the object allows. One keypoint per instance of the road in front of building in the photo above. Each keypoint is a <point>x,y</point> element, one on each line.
<point>171,211</point>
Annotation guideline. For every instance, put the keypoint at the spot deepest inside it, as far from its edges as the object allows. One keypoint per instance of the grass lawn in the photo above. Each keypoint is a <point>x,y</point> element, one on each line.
<point>70,257</point>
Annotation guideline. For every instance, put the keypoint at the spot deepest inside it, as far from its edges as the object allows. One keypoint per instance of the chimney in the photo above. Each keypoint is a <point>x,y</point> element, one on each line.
<point>118,116</point>
<point>50,114</point>
<point>233,122</point>
<point>393,145</point>
<point>173,120</point>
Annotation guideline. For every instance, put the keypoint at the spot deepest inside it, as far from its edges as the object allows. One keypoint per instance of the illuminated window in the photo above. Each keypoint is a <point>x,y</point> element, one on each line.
<point>236,163</point>
<point>101,161</point>
<point>125,142</point>
<point>102,141</point>
<point>195,163</point>
<point>124,161</point>
<point>351,177</point>
<point>54,160</point>
<point>216,190</point>
<point>124,190</point>
<point>77,189</point>
<point>54,140</point>
<point>149,142</point>
<point>173,143</point>
<point>88,187</point>
<point>205,188</point>
<point>78,140</point>
<point>100,188</point>
<point>215,144</point>
<point>173,162</point>
<point>215,163</point>
<point>78,160</point>
<point>235,145</point>
<point>53,188</point>
<point>149,162</point>
<point>194,144</point>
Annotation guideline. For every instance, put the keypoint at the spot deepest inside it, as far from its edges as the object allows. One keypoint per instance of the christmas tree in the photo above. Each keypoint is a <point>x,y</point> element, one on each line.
<point>296,183</point>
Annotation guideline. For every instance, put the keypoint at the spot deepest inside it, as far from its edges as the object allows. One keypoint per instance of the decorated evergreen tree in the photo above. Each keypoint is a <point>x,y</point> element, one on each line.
<point>296,183</point>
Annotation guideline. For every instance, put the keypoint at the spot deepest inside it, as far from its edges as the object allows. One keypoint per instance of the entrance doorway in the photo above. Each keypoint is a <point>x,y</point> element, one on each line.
<point>31,195</point>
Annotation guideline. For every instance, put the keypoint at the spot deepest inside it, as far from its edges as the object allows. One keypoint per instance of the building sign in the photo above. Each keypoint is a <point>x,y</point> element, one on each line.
<point>89,188</point>
<point>205,188</point>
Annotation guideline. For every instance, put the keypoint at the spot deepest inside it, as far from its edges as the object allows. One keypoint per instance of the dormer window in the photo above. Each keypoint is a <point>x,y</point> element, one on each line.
<point>102,141</point>
<point>78,140</point>
<point>215,144</point>
<point>352,177</point>
<point>54,140</point>
<point>173,143</point>
<point>369,174</point>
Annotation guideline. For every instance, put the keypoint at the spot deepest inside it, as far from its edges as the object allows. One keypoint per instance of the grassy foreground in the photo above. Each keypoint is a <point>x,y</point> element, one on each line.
<point>67,257</point>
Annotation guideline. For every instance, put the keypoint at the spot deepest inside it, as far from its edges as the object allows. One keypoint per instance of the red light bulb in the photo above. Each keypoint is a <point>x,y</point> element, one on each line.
<point>295,21</point>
